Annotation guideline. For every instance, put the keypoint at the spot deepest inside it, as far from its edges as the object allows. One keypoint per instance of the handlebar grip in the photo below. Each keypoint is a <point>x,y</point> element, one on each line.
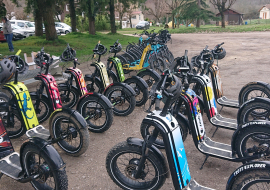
<point>186,52</point>
<point>221,44</point>
<point>206,47</point>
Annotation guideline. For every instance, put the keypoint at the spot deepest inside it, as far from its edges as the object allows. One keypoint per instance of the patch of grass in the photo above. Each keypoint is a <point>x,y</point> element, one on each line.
<point>206,28</point>
<point>83,43</point>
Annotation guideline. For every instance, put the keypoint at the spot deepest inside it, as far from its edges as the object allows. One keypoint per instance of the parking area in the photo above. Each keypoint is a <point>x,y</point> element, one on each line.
<point>247,60</point>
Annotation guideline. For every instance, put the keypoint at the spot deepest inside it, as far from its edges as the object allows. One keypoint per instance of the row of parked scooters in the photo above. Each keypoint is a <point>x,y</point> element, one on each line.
<point>180,86</point>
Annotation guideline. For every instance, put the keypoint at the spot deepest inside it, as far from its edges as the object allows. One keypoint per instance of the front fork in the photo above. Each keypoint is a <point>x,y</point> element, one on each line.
<point>148,142</point>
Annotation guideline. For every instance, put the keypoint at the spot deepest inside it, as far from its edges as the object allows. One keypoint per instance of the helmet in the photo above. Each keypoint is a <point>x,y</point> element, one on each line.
<point>205,55</point>
<point>37,59</point>
<point>22,66</point>
<point>7,70</point>
<point>117,47</point>
<point>219,53</point>
<point>100,49</point>
<point>68,55</point>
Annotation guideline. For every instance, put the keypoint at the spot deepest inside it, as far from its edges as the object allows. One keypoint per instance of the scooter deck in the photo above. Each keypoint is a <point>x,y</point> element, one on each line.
<point>224,122</point>
<point>10,165</point>
<point>39,131</point>
<point>224,101</point>
<point>193,185</point>
<point>213,148</point>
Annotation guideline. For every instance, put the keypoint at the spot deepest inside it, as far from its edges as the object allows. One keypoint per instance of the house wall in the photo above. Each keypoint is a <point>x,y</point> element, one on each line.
<point>265,13</point>
<point>136,19</point>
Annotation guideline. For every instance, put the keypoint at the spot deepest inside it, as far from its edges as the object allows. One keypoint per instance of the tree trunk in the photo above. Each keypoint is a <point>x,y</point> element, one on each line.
<point>186,23</point>
<point>72,15</point>
<point>112,17</point>
<point>198,24</point>
<point>222,20</point>
<point>130,22</point>
<point>92,29</point>
<point>172,21</point>
<point>48,18</point>
<point>91,17</point>
<point>38,20</point>
<point>120,23</point>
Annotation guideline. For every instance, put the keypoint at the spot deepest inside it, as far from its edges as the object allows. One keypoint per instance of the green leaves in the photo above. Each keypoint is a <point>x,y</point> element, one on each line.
<point>3,10</point>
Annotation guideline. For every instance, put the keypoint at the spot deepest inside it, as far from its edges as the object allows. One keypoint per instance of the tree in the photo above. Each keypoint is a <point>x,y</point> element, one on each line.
<point>3,10</point>
<point>112,17</point>
<point>156,9</point>
<point>198,23</point>
<point>121,7</point>
<point>222,6</point>
<point>174,6</point>
<point>72,15</point>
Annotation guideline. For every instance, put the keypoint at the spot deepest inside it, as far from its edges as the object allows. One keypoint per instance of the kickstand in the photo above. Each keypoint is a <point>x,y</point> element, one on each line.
<point>206,157</point>
<point>215,132</point>
<point>220,109</point>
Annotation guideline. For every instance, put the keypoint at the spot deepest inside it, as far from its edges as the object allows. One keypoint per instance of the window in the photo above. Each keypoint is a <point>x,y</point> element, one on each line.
<point>29,24</point>
<point>133,17</point>
<point>20,24</point>
<point>12,22</point>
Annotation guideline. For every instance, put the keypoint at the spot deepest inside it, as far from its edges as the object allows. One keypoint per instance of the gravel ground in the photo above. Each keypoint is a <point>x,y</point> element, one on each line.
<point>246,60</point>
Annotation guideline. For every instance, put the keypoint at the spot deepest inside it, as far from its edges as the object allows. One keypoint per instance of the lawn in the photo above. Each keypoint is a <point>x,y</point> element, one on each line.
<point>81,42</point>
<point>254,26</point>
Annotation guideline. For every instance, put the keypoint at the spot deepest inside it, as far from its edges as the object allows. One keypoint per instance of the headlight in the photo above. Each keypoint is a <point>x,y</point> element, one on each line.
<point>16,34</point>
<point>25,33</point>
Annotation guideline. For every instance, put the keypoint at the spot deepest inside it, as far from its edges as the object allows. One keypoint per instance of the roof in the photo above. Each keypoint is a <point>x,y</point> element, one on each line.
<point>231,10</point>
<point>267,6</point>
<point>136,12</point>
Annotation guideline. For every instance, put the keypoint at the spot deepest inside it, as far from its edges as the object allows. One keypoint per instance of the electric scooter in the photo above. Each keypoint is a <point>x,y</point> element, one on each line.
<point>94,107</point>
<point>37,161</point>
<point>138,164</point>
<point>121,95</point>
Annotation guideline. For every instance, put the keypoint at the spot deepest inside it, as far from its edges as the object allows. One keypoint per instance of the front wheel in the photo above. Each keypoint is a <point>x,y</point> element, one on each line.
<point>141,95</point>
<point>122,163</point>
<point>253,140</point>
<point>253,179</point>
<point>97,113</point>
<point>75,138</point>
<point>158,64</point>
<point>37,163</point>
<point>149,77</point>
<point>122,99</point>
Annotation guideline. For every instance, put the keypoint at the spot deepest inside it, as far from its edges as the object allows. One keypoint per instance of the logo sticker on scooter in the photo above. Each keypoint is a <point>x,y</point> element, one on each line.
<point>25,107</point>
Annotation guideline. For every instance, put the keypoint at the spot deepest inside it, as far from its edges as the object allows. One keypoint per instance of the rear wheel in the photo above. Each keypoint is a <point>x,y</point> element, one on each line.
<point>122,99</point>
<point>75,138</point>
<point>254,91</point>
<point>71,99</point>
<point>97,113</point>
<point>157,63</point>
<point>252,141</point>
<point>43,110</point>
<point>149,77</point>
<point>122,163</point>
<point>37,163</point>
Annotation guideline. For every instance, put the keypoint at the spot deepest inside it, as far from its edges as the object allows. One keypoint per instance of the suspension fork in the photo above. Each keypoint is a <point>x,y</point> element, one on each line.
<point>69,84</point>
<point>148,142</point>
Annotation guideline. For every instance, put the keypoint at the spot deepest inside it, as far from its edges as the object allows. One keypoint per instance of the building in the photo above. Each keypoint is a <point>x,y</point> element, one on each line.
<point>265,12</point>
<point>232,17</point>
<point>136,17</point>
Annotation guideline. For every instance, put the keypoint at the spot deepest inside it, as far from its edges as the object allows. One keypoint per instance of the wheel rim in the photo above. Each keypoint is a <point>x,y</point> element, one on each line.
<point>69,101</point>
<point>66,128</point>
<point>255,93</point>
<point>123,167</point>
<point>256,143</point>
<point>120,100</point>
<point>257,113</point>
<point>15,127</point>
<point>42,111</point>
<point>149,80</point>
<point>36,165</point>
<point>94,114</point>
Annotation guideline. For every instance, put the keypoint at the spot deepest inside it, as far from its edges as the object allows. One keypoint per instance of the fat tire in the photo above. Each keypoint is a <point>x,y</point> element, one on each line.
<point>60,176</point>
<point>141,88</point>
<point>246,133</point>
<point>148,73</point>
<point>161,64</point>
<point>124,147</point>
<point>108,111</point>
<point>83,132</point>
<point>244,96</point>
<point>132,101</point>
<point>245,179</point>
<point>21,131</point>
